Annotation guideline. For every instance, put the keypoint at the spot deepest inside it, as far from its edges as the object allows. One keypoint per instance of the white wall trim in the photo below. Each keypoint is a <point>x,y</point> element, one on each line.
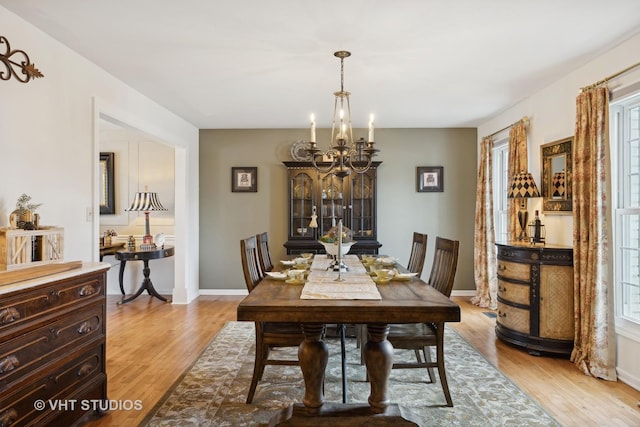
<point>628,378</point>
<point>223,292</point>
<point>463,293</point>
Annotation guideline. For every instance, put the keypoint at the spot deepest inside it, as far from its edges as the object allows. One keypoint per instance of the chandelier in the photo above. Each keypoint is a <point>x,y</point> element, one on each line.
<point>346,154</point>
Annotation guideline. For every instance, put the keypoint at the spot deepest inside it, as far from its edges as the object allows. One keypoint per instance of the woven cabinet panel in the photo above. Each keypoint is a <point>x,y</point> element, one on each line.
<point>513,292</point>
<point>513,318</point>
<point>556,302</point>
<point>514,270</point>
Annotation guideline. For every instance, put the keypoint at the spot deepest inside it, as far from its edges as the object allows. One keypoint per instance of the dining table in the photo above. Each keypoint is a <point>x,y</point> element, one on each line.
<point>355,299</point>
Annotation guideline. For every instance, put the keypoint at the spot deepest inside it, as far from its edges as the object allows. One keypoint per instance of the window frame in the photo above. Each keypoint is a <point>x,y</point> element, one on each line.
<point>500,164</point>
<point>622,208</point>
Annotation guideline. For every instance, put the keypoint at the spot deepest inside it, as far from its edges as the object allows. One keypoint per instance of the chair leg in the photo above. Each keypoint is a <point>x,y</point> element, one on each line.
<point>427,358</point>
<point>440,360</point>
<point>258,369</point>
<point>343,354</point>
<point>418,357</point>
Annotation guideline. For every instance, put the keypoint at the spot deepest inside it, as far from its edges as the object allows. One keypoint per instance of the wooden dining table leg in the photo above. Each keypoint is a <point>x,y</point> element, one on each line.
<point>378,357</point>
<point>313,355</point>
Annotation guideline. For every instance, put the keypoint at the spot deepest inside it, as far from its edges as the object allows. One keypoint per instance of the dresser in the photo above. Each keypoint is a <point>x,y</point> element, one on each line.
<point>535,297</point>
<point>52,347</point>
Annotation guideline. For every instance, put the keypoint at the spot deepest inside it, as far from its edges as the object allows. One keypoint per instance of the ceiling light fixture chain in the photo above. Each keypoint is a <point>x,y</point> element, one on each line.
<point>347,154</point>
<point>26,68</point>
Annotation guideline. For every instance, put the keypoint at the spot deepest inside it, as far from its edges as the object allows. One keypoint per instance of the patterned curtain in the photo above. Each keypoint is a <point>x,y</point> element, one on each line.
<point>518,162</point>
<point>484,248</point>
<point>594,348</point>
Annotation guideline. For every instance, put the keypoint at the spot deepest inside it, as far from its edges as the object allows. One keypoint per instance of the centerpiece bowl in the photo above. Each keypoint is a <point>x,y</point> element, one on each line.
<point>332,247</point>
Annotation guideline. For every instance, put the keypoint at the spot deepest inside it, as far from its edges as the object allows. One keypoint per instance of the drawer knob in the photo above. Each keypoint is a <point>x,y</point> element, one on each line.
<point>502,289</point>
<point>8,417</point>
<point>85,370</point>
<point>501,314</point>
<point>502,267</point>
<point>87,290</point>
<point>9,364</point>
<point>85,328</point>
<point>9,315</point>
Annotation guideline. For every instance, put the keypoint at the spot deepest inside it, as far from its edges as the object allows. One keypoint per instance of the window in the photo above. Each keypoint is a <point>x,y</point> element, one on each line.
<point>500,189</point>
<point>625,142</point>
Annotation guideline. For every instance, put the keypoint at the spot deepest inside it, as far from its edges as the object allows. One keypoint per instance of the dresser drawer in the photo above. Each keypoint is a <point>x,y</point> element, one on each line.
<point>513,318</point>
<point>58,384</point>
<point>26,354</point>
<point>20,308</point>
<point>514,270</point>
<point>517,293</point>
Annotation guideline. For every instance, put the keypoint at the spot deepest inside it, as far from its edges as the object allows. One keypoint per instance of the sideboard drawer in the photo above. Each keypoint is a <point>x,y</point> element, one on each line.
<point>513,270</point>
<point>21,308</point>
<point>54,385</point>
<point>513,292</point>
<point>27,353</point>
<point>513,318</point>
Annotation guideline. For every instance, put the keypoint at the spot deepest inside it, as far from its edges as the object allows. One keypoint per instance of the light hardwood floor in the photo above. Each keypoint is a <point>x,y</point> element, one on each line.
<point>150,344</point>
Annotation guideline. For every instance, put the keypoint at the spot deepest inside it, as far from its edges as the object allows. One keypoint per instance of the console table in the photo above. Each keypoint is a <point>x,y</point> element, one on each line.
<point>535,297</point>
<point>145,256</point>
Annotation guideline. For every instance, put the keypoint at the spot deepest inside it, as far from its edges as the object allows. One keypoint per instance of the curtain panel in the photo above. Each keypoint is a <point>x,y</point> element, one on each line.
<point>594,348</point>
<point>484,248</point>
<point>518,162</point>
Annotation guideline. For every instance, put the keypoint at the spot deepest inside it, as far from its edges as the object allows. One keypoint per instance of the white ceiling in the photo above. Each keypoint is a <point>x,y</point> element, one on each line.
<point>270,63</point>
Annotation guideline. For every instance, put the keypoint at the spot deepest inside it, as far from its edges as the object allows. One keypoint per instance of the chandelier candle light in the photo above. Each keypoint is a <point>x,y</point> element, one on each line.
<point>347,154</point>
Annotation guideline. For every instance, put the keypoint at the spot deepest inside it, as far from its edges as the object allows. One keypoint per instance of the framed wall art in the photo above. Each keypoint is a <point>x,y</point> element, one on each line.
<point>244,179</point>
<point>430,179</point>
<point>107,191</point>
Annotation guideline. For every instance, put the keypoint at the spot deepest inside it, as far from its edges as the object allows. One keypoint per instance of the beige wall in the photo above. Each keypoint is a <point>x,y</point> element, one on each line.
<point>227,217</point>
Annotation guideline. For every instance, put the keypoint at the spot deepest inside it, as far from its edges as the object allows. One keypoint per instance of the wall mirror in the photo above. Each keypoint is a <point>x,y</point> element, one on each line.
<point>107,192</point>
<point>557,176</point>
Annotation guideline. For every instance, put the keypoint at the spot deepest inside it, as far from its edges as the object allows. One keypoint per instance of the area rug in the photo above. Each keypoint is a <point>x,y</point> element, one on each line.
<point>213,391</point>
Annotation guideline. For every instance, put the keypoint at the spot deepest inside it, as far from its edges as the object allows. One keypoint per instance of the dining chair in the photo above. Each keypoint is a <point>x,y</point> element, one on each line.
<point>418,253</point>
<point>420,337</point>
<point>269,335</point>
<point>264,256</point>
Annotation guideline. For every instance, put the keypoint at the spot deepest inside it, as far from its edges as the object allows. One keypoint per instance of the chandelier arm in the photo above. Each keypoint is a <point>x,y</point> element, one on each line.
<point>332,153</point>
<point>353,153</point>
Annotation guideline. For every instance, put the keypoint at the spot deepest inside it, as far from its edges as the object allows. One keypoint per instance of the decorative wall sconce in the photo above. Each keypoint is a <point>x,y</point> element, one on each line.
<point>20,67</point>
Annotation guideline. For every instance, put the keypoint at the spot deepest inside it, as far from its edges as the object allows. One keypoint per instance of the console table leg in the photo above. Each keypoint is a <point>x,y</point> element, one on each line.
<point>313,355</point>
<point>123,263</point>
<point>378,356</point>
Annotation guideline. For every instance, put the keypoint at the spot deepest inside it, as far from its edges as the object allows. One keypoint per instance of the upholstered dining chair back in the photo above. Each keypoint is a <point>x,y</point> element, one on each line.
<point>250,264</point>
<point>264,256</point>
<point>418,253</point>
<point>444,266</point>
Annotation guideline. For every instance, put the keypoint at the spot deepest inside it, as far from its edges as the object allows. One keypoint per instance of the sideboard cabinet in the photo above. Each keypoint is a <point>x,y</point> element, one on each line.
<point>52,348</point>
<point>535,297</point>
<point>351,199</point>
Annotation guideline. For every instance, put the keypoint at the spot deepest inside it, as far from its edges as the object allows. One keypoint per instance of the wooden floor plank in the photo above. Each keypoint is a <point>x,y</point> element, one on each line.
<point>150,344</point>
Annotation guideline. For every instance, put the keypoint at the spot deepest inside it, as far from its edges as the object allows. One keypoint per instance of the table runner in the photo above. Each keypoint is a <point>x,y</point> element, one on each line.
<point>321,284</point>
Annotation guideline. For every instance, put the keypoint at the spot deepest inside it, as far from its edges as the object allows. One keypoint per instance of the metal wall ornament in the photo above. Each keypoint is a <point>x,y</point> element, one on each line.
<point>17,64</point>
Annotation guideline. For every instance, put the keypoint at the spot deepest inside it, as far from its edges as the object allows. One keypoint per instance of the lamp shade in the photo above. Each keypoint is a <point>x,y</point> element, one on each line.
<point>146,202</point>
<point>523,185</point>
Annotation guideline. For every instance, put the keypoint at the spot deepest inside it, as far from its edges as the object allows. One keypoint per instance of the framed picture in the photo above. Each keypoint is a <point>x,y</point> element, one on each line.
<point>244,179</point>
<point>107,192</point>
<point>430,179</point>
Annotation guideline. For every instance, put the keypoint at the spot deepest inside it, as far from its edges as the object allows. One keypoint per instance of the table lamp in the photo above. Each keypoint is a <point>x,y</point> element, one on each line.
<point>522,187</point>
<point>146,202</point>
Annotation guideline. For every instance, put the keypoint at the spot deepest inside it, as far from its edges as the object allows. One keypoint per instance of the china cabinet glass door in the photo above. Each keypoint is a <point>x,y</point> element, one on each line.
<point>302,196</point>
<point>332,203</point>
<point>362,207</point>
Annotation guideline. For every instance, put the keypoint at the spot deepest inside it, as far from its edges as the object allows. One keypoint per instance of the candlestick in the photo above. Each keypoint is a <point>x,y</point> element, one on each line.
<point>313,128</point>
<point>371,128</point>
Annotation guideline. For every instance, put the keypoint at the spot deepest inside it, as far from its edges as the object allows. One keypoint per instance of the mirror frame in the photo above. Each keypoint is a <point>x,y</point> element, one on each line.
<point>107,191</point>
<point>547,152</point>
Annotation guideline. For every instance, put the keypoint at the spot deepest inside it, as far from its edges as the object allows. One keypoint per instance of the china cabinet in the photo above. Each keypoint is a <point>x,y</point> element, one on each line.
<point>351,199</point>
<point>535,297</point>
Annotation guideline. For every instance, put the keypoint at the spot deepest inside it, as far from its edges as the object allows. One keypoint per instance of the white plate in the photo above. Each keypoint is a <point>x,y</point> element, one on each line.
<point>287,262</point>
<point>387,260</point>
<point>277,275</point>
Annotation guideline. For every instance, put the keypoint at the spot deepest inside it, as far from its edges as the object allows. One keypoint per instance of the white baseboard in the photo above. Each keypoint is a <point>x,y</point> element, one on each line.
<point>223,292</point>
<point>628,378</point>
<point>463,293</point>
